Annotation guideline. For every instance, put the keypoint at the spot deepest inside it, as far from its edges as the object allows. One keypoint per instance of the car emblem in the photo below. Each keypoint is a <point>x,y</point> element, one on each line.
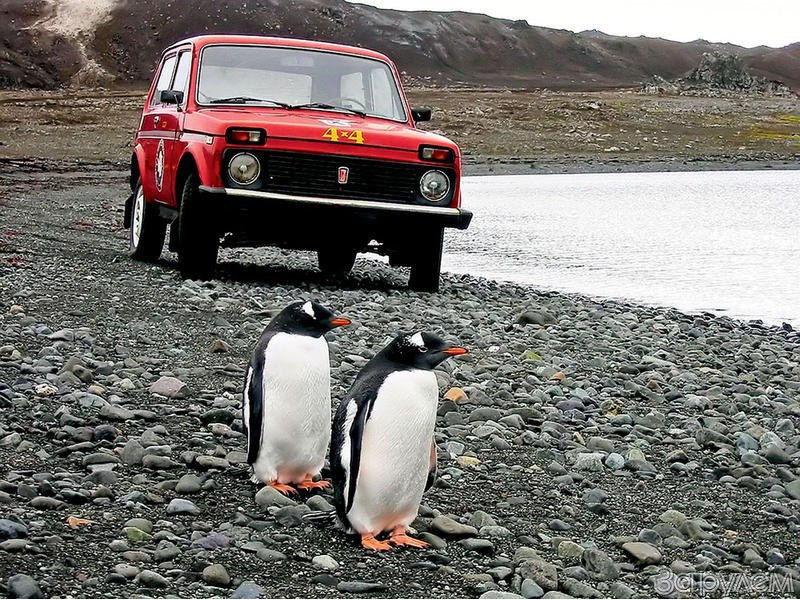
<point>344,173</point>
<point>159,170</point>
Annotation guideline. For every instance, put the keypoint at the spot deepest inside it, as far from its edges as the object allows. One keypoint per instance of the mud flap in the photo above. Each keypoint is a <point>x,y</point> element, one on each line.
<point>126,218</point>
<point>174,244</point>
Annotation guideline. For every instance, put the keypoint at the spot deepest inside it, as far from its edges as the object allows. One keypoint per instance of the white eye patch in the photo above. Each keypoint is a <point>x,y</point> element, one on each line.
<point>417,340</point>
<point>309,310</point>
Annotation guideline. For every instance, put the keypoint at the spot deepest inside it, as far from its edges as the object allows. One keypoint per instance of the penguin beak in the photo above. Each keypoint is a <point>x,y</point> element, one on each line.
<point>455,350</point>
<point>340,322</point>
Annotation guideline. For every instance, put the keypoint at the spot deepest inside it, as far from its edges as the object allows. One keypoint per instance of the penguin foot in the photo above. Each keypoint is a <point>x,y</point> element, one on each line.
<point>399,537</point>
<point>284,489</point>
<point>310,484</point>
<point>370,543</point>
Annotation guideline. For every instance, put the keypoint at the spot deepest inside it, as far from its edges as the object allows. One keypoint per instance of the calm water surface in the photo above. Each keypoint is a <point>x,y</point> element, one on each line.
<point>726,242</point>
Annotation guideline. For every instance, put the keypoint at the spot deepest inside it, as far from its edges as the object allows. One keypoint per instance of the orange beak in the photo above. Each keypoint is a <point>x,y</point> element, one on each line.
<point>340,322</point>
<point>455,350</point>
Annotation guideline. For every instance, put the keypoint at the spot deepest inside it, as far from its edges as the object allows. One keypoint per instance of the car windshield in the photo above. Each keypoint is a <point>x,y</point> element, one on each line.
<point>272,76</point>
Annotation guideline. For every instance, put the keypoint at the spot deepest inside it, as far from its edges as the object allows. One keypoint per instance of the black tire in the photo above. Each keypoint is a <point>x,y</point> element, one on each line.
<point>427,265</point>
<point>198,240</point>
<point>147,229</point>
<point>336,262</point>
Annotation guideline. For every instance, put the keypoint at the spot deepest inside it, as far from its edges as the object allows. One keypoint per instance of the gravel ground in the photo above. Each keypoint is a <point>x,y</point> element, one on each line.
<point>601,449</point>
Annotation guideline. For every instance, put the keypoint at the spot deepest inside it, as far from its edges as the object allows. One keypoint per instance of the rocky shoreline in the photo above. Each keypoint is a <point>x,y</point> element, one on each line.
<point>600,448</point>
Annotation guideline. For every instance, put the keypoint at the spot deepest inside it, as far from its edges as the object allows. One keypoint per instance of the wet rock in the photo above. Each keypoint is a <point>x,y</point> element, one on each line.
<point>360,587</point>
<point>599,565</point>
<point>11,530</point>
<point>267,496</point>
<point>180,506</point>
<point>325,562</point>
<point>541,572</point>
<point>171,387</point>
<point>23,586</point>
<point>449,528</point>
<point>151,579</point>
<point>216,575</point>
<point>248,590</point>
<point>643,553</point>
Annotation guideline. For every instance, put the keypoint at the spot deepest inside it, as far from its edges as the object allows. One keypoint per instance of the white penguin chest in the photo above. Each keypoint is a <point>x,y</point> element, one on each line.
<point>395,451</point>
<point>296,390</point>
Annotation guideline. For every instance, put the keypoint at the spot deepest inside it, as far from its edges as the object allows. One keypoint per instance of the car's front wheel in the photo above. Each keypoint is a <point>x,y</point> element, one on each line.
<point>147,229</point>
<point>427,266</point>
<point>198,240</point>
<point>336,262</point>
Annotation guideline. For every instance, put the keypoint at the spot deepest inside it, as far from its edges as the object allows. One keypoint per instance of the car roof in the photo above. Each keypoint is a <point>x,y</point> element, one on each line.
<point>203,40</point>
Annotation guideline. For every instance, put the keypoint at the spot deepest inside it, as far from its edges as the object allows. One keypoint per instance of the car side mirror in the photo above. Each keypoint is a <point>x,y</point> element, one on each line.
<point>421,114</point>
<point>171,97</point>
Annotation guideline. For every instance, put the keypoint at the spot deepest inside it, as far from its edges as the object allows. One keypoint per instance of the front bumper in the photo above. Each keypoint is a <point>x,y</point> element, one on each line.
<point>457,218</point>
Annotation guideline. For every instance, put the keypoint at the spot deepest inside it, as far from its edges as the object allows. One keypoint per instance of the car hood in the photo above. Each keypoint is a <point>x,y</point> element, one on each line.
<point>313,125</point>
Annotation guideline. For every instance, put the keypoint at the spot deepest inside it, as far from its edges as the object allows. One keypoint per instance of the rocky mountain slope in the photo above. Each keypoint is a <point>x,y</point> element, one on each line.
<point>48,43</point>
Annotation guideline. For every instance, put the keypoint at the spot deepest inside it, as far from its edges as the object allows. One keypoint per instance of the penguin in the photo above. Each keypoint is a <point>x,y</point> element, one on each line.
<point>383,456</point>
<point>286,406</point>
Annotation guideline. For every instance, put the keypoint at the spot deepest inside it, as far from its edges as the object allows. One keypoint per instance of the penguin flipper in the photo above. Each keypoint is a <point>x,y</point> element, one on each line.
<point>348,431</point>
<point>433,469</point>
<point>253,406</point>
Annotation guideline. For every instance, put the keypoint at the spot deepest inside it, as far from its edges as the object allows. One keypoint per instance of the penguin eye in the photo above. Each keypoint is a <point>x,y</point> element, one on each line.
<point>423,348</point>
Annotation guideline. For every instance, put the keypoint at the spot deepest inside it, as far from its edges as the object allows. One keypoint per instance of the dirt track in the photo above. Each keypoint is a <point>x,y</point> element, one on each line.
<point>499,131</point>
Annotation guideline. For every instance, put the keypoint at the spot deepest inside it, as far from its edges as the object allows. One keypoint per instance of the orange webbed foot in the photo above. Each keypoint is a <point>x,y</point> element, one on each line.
<point>310,484</point>
<point>399,537</point>
<point>283,488</point>
<point>370,543</point>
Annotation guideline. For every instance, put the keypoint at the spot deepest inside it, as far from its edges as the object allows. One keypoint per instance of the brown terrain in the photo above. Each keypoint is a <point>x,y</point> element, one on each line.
<point>499,131</point>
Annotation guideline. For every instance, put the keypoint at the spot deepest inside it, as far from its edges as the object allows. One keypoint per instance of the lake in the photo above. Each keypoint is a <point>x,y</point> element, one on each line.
<point>727,242</point>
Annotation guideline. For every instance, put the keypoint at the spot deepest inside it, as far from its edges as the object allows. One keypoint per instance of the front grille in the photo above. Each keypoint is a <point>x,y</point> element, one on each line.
<point>304,174</point>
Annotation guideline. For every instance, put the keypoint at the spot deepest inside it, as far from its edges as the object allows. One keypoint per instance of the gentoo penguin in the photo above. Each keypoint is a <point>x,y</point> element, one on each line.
<point>383,456</point>
<point>287,398</point>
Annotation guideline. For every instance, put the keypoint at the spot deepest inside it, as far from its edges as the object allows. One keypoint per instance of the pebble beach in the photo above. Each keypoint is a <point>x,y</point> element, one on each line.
<point>587,448</point>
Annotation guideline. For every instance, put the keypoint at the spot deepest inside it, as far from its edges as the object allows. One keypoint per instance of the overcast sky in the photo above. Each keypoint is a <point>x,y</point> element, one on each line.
<point>747,23</point>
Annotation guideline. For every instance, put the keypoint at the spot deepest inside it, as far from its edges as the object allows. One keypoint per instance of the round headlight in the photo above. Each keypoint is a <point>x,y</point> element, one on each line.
<point>244,168</point>
<point>434,185</point>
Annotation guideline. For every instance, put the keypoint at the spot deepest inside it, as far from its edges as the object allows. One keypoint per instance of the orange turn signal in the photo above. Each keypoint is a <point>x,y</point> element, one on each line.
<point>436,154</point>
<point>238,135</point>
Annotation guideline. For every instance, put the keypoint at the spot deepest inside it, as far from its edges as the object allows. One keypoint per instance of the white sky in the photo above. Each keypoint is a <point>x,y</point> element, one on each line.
<point>745,22</point>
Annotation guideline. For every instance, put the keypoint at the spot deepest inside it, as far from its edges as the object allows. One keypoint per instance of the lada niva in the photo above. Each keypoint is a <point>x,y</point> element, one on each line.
<point>252,141</point>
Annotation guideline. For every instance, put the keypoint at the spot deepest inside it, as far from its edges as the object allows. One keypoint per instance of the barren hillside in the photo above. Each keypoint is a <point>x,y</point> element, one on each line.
<point>48,43</point>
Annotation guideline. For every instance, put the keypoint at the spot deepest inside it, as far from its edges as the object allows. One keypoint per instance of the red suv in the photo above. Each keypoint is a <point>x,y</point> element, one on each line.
<point>250,141</point>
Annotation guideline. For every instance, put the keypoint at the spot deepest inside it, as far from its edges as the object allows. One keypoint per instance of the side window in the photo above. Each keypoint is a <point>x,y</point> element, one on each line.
<point>164,77</point>
<point>181,80</point>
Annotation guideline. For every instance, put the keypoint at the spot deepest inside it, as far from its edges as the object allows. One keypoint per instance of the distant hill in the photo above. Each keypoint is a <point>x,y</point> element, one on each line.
<point>50,43</point>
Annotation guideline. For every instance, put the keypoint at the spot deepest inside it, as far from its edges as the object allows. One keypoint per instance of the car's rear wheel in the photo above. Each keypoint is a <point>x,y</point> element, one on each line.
<point>198,239</point>
<point>427,266</point>
<point>147,229</point>
<point>336,262</point>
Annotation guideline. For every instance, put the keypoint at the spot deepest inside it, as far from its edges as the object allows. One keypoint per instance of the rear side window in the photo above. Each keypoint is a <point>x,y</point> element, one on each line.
<point>181,81</point>
<point>164,79</point>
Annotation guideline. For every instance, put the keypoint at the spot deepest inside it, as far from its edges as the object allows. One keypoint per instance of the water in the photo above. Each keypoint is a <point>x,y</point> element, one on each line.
<point>726,242</point>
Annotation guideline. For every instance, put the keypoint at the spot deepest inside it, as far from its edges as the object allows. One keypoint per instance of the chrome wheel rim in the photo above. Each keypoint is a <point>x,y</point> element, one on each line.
<point>138,217</point>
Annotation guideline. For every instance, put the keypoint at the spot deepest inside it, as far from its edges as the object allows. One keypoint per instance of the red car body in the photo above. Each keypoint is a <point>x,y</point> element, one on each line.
<point>325,176</point>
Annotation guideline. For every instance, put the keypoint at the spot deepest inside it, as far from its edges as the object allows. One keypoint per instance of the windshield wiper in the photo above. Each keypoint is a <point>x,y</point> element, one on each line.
<point>245,100</point>
<point>325,106</point>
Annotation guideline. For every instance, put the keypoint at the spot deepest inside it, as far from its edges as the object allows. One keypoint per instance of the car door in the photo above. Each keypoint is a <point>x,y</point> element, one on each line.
<point>155,132</point>
<point>174,117</point>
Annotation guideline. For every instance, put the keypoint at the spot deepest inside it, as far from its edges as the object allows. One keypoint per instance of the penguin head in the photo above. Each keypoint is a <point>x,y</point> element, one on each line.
<point>308,318</point>
<point>421,350</point>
